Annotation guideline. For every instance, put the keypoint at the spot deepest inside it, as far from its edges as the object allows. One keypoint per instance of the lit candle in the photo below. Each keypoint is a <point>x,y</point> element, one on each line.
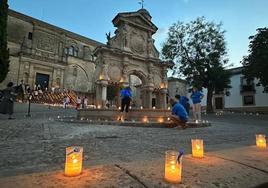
<point>99,106</point>
<point>168,118</point>
<point>119,108</point>
<point>141,107</point>
<point>154,107</point>
<point>168,108</point>
<point>145,119</point>
<point>160,120</point>
<point>260,141</point>
<point>173,167</point>
<point>74,159</point>
<point>197,148</point>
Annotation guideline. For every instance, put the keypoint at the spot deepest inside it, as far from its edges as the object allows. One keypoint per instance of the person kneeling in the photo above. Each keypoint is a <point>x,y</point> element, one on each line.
<point>179,115</point>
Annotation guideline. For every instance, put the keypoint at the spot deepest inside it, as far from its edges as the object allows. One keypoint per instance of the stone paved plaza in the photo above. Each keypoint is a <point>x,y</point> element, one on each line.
<point>37,144</point>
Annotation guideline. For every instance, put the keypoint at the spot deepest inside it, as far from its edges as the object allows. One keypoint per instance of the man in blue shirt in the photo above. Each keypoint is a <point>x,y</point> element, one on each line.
<point>179,115</point>
<point>184,101</point>
<point>125,101</point>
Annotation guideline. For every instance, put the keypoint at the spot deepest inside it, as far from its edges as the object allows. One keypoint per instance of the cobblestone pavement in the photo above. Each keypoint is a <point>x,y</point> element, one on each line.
<point>38,143</point>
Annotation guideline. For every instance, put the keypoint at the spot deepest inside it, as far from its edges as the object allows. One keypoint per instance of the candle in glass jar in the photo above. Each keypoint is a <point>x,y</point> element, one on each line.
<point>74,160</point>
<point>173,167</point>
<point>260,141</point>
<point>197,148</point>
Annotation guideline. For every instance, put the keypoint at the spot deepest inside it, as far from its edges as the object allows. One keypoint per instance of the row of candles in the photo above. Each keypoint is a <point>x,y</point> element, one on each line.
<point>130,107</point>
<point>173,159</point>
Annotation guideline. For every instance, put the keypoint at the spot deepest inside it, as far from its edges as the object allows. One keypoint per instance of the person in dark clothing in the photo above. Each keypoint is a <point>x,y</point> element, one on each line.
<point>179,115</point>
<point>126,95</point>
<point>8,97</point>
<point>184,101</point>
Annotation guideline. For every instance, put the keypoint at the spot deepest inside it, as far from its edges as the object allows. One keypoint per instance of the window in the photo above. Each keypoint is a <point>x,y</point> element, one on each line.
<point>247,85</point>
<point>66,50</point>
<point>30,35</point>
<point>248,99</point>
<point>75,53</point>
<point>71,50</point>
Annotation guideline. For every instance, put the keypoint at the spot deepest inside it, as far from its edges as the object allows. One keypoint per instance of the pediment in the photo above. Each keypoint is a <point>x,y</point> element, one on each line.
<point>136,19</point>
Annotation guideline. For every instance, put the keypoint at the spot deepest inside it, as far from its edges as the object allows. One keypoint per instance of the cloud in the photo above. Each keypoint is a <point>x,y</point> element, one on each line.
<point>161,32</point>
<point>160,36</point>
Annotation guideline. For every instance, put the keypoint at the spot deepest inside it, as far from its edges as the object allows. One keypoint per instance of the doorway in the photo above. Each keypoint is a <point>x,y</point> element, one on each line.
<point>218,103</point>
<point>42,80</point>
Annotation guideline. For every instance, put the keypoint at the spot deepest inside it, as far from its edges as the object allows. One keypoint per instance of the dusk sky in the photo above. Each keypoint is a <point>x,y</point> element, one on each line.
<point>92,19</point>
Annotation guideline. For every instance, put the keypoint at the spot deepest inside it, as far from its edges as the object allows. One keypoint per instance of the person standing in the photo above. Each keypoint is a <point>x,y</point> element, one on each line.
<point>85,102</point>
<point>7,99</point>
<point>125,102</point>
<point>65,102</point>
<point>78,103</point>
<point>196,97</point>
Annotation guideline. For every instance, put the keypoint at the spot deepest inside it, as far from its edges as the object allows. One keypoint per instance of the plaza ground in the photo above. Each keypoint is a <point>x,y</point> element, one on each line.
<point>128,156</point>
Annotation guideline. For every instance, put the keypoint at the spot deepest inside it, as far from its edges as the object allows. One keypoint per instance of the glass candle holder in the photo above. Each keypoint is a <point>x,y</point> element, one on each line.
<point>173,168</point>
<point>74,160</point>
<point>197,148</point>
<point>260,141</point>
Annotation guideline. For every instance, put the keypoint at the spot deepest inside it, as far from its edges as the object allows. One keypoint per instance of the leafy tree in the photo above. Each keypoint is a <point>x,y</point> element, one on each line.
<point>199,51</point>
<point>256,63</point>
<point>4,52</point>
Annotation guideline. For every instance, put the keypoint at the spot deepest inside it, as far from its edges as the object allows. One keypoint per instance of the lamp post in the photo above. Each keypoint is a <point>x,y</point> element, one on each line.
<point>29,106</point>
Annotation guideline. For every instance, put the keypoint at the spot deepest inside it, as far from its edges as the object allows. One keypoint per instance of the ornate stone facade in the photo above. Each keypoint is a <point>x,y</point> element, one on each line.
<point>131,51</point>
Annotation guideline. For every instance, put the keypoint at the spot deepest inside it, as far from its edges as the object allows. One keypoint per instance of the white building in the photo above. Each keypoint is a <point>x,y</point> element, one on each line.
<point>243,96</point>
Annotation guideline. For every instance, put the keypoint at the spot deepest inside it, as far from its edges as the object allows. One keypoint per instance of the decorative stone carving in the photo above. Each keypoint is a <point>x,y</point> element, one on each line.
<point>157,80</point>
<point>125,36</point>
<point>105,71</point>
<point>137,43</point>
<point>152,52</point>
<point>114,73</point>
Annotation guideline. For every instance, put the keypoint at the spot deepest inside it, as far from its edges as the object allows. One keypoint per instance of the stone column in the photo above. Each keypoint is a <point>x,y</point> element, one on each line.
<point>147,97</point>
<point>98,94</point>
<point>157,100</point>
<point>163,98</point>
<point>104,94</point>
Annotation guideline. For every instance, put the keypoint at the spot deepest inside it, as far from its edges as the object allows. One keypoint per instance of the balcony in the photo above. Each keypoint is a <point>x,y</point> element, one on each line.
<point>247,88</point>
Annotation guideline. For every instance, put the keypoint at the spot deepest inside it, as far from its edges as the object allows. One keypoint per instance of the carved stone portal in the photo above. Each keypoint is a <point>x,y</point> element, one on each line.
<point>132,52</point>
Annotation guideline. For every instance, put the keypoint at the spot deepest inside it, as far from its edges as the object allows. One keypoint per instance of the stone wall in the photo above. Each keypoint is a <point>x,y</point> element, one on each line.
<point>38,47</point>
<point>177,86</point>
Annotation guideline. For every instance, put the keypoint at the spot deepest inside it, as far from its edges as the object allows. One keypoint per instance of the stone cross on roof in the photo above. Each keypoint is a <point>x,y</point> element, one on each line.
<point>141,3</point>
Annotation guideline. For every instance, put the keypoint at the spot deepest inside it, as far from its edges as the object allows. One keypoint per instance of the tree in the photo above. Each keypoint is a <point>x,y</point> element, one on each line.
<point>199,51</point>
<point>256,63</point>
<point>4,52</point>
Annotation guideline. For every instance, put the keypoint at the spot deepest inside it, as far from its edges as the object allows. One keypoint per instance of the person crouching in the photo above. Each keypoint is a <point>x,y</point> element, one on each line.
<point>179,115</point>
